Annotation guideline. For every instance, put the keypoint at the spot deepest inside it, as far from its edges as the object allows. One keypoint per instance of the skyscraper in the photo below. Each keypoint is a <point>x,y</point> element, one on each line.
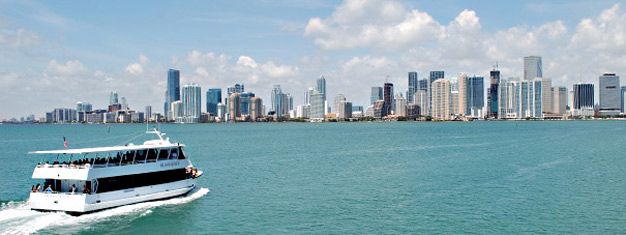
<point>177,111</point>
<point>113,98</point>
<point>317,105</point>
<point>530,98</point>
<point>423,84</point>
<point>559,97</point>
<point>192,103</point>
<point>246,102</point>
<point>277,101</point>
<point>234,103</point>
<point>213,97</point>
<point>434,75</point>
<point>221,112</point>
<point>610,103</point>
<point>546,95</point>
<point>344,110</point>
<point>440,91</point>
<point>475,96</point>
<point>509,98</point>
<point>532,67</point>
<point>463,94</point>
<point>583,96</point>
<point>321,86</point>
<point>413,87</point>
<point>148,112</point>
<point>623,99</point>
<point>388,98</point>
<point>337,101</point>
<point>492,93</point>
<point>256,110</point>
<point>400,106</point>
<point>377,94</point>
<point>172,93</point>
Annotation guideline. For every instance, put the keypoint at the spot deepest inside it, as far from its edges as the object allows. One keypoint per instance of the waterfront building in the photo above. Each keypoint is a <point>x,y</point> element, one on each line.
<point>423,84</point>
<point>623,99</point>
<point>337,101</point>
<point>388,98</point>
<point>434,75</point>
<point>413,87</point>
<point>221,111</point>
<point>256,108</point>
<point>532,67</point>
<point>546,95</point>
<point>307,95</point>
<point>303,111</point>
<point>400,110</point>
<point>124,104</point>
<point>317,105</point>
<point>234,101</point>
<point>321,87</point>
<point>610,103</point>
<point>492,93</point>
<point>376,94</point>
<point>148,112</point>
<point>454,102</point>
<point>192,103</point>
<point>475,96</point>
<point>463,80</point>
<point>176,111</point>
<point>413,110</point>
<point>357,111</point>
<point>440,91</point>
<point>113,98</point>
<point>172,92</point>
<point>213,97</point>
<point>379,109</point>
<point>559,97</point>
<point>344,110</point>
<point>237,88</point>
<point>583,96</point>
<point>530,98</point>
<point>246,102</point>
<point>281,103</point>
<point>421,100</point>
<point>509,98</point>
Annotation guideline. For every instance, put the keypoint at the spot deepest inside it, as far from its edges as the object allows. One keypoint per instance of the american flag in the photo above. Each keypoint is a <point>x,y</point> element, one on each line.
<point>64,142</point>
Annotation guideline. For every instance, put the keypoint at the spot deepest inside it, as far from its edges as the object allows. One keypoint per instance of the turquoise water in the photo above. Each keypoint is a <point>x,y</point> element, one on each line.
<point>472,177</point>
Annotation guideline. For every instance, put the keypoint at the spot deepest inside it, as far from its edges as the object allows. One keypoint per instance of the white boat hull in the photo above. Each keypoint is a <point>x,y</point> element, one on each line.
<point>84,203</point>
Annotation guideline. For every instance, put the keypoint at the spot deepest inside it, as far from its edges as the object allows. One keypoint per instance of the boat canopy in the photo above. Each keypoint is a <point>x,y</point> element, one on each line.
<point>106,149</point>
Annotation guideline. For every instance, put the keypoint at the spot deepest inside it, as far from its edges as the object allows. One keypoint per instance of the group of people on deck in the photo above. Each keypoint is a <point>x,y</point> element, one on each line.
<point>72,189</point>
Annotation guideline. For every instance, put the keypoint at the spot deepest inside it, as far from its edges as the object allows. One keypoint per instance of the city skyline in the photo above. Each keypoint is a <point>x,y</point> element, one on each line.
<point>48,63</point>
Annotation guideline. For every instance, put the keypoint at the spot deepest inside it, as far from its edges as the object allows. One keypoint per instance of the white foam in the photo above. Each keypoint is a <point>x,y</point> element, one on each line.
<point>18,218</point>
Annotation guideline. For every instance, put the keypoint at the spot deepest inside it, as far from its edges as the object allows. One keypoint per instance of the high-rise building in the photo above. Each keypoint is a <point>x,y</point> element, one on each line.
<point>532,67</point>
<point>413,87</point>
<point>317,105</point>
<point>440,98</point>
<point>610,103</point>
<point>307,95</point>
<point>379,109</point>
<point>337,101</point>
<point>237,88</point>
<point>583,96</point>
<point>475,96</point>
<point>177,111</point>
<point>388,98</point>
<point>321,86</point>
<point>113,98</point>
<point>421,99</point>
<point>148,112</point>
<point>246,102</point>
<point>463,94</point>
<point>423,84</point>
<point>221,111</point>
<point>172,93</point>
<point>492,93</point>
<point>256,110</point>
<point>546,95</point>
<point>509,98</point>
<point>377,94</point>
<point>559,97</point>
<point>192,103</point>
<point>124,104</point>
<point>235,106</point>
<point>434,75</point>
<point>623,99</point>
<point>344,110</point>
<point>213,97</point>
<point>400,106</point>
<point>281,103</point>
<point>530,98</point>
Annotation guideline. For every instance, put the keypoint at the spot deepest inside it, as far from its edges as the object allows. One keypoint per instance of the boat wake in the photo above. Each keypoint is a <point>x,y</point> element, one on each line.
<point>18,218</point>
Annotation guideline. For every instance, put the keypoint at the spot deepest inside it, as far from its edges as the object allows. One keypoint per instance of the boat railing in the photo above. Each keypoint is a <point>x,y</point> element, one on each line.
<point>61,193</point>
<point>63,165</point>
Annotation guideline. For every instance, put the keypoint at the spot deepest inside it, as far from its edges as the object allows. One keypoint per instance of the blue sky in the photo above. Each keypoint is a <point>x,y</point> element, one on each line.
<point>56,53</point>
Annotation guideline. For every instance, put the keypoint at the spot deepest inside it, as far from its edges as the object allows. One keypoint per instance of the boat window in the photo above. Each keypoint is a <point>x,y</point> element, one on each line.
<point>141,156</point>
<point>128,157</point>
<point>140,180</point>
<point>163,154</point>
<point>181,153</point>
<point>152,155</point>
<point>174,154</point>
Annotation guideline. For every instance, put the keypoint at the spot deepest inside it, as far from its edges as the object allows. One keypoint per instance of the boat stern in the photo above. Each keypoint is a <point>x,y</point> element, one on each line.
<point>71,203</point>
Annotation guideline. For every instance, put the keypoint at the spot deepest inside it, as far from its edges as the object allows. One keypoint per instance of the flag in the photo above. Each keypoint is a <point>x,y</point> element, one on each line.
<point>64,142</point>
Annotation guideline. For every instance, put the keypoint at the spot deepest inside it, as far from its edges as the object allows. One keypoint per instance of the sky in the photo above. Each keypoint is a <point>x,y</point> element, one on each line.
<point>55,53</point>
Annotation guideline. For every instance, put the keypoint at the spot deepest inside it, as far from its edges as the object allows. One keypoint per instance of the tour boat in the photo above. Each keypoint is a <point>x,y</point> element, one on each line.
<point>79,181</point>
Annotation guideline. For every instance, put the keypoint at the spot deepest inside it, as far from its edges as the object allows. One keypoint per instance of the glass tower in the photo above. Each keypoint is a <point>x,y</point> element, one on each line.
<point>413,86</point>
<point>213,97</point>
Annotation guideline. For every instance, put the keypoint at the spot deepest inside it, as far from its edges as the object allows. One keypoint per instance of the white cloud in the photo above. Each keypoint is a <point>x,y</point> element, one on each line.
<point>134,69</point>
<point>246,61</point>
<point>273,70</point>
<point>70,68</point>
<point>144,60</point>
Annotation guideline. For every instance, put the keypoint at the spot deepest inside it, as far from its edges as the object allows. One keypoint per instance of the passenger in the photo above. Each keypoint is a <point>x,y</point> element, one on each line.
<point>49,189</point>
<point>72,164</point>
<point>86,190</point>
<point>73,189</point>
<point>38,188</point>
<point>69,190</point>
<point>33,189</point>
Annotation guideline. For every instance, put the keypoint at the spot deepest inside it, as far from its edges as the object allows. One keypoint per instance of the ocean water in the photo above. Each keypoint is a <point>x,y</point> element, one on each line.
<point>293,178</point>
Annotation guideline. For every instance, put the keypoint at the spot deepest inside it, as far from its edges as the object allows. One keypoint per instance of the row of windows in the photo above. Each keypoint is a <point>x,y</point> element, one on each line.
<point>140,180</point>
